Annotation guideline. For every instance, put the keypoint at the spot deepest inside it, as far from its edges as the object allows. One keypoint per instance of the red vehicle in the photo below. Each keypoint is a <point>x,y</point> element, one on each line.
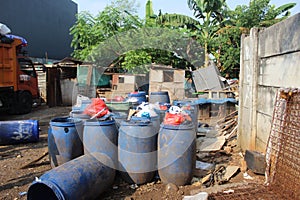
<point>18,79</point>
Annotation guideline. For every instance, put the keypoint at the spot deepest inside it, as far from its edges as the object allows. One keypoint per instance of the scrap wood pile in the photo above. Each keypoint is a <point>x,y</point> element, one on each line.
<point>227,126</point>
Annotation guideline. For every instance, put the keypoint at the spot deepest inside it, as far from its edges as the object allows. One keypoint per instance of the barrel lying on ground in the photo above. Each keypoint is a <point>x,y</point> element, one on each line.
<point>83,178</point>
<point>19,131</point>
<point>64,140</point>
<point>176,153</point>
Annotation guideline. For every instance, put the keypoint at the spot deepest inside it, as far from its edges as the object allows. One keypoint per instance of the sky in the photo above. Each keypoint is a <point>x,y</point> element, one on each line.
<point>170,6</point>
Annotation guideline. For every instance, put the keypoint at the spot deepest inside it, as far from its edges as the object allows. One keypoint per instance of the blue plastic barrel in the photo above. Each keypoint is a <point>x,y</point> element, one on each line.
<point>176,153</point>
<point>140,96</point>
<point>160,97</point>
<point>137,151</point>
<point>16,132</point>
<point>190,108</point>
<point>83,178</point>
<point>101,136</point>
<point>64,140</point>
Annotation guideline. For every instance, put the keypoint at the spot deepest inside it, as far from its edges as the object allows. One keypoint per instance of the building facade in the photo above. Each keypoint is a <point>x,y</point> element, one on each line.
<point>45,24</point>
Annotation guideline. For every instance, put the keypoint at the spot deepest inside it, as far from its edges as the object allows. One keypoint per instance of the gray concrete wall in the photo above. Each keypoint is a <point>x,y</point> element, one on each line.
<point>44,24</point>
<point>270,59</point>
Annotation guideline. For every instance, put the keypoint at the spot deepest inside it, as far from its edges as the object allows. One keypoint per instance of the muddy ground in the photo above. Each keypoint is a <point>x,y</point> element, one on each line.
<point>15,179</point>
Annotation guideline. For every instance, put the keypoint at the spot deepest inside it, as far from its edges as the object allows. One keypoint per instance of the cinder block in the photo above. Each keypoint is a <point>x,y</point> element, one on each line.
<point>256,161</point>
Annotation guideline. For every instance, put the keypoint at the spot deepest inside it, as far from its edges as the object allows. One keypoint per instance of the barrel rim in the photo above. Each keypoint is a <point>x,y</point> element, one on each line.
<point>70,121</point>
<point>160,92</point>
<point>93,122</point>
<point>187,126</point>
<point>56,190</point>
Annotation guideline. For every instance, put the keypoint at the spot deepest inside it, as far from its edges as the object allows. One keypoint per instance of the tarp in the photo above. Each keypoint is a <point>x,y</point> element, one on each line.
<point>214,101</point>
<point>24,41</point>
<point>97,79</point>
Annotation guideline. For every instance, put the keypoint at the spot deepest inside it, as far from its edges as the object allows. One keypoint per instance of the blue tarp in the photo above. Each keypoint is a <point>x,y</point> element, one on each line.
<point>215,101</point>
<point>24,41</point>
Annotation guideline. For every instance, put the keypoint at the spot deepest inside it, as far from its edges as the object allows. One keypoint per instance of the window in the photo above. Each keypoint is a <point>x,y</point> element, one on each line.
<point>121,79</point>
<point>168,76</point>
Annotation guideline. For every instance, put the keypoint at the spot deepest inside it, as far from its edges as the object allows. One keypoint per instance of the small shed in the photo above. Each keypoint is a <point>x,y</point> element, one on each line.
<point>166,78</point>
<point>61,79</point>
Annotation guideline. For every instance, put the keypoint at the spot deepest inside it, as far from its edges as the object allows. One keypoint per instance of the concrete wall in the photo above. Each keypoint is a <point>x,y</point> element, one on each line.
<point>270,59</point>
<point>44,24</point>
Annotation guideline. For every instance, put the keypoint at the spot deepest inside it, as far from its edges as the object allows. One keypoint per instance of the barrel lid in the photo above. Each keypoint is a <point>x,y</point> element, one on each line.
<point>65,121</point>
<point>160,93</point>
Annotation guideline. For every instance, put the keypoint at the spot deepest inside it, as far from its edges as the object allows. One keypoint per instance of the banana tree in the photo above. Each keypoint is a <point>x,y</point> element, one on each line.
<point>211,14</point>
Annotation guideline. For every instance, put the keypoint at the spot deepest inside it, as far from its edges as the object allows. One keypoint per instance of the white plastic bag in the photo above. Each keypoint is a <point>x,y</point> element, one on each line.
<point>4,29</point>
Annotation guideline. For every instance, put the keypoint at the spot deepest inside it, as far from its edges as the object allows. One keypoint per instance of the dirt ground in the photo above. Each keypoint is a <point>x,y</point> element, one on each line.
<point>15,179</point>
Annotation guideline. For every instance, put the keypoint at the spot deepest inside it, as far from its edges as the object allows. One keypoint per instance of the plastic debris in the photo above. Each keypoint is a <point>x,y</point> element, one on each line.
<point>199,196</point>
<point>228,191</point>
<point>133,186</point>
<point>37,179</point>
<point>22,193</point>
<point>247,176</point>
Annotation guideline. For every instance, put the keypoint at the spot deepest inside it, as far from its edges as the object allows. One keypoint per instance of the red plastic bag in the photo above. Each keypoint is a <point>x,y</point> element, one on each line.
<point>176,119</point>
<point>97,108</point>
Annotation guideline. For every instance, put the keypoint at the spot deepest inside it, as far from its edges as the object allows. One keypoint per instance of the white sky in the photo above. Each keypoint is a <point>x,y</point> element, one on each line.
<point>169,6</point>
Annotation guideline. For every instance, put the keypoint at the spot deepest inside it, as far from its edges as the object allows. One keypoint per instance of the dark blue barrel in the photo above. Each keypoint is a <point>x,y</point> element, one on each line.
<point>83,178</point>
<point>137,151</point>
<point>64,140</point>
<point>176,153</point>
<point>160,97</point>
<point>22,131</point>
<point>101,136</point>
<point>190,108</point>
<point>139,96</point>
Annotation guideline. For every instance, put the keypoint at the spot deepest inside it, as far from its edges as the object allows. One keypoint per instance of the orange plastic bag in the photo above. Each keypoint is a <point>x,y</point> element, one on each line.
<point>97,108</point>
<point>175,119</point>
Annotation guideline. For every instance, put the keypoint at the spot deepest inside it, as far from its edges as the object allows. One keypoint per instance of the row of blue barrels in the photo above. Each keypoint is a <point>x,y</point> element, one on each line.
<point>142,151</point>
<point>137,142</point>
